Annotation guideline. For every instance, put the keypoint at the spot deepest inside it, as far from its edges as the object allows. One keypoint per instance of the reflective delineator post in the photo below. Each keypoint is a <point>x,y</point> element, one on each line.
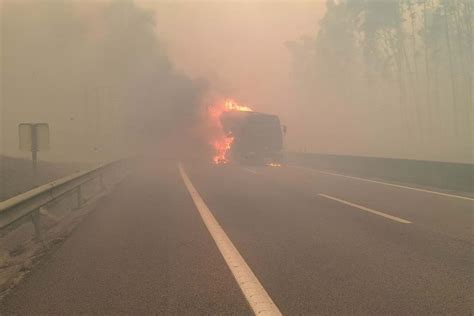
<point>35,218</point>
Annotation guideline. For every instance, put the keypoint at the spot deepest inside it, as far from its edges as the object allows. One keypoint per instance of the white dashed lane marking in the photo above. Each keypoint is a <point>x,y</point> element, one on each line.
<point>393,218</point>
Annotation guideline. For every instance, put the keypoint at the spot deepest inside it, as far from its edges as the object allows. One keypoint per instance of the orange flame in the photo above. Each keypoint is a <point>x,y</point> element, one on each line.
<point>231,105</point>
<point>223,142</point>
<point>221,147</point>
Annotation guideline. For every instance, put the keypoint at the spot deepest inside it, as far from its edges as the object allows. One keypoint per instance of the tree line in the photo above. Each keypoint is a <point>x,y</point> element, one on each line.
<point>415,54</point>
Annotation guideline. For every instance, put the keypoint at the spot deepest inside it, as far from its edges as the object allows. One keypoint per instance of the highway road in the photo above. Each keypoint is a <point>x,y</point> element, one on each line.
<point>233,240</point>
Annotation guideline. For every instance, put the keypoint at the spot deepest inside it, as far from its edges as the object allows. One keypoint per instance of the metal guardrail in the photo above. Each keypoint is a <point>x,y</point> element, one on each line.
<point>29,203</point>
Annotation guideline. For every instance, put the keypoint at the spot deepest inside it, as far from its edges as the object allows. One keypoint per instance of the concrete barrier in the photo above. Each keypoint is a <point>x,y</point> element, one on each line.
<point>443,175</point>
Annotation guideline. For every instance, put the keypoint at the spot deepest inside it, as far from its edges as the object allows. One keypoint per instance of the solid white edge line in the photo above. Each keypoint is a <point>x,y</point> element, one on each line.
<point>386,183</point>
<point>393,218</point>
<point>257,297</point>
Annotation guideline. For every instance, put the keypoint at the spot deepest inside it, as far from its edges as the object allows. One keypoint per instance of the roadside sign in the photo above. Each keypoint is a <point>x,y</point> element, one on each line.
<point>34,136</point>
<point>42,137</point>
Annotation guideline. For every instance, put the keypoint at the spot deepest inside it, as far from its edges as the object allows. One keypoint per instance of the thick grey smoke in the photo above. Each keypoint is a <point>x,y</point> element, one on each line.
<point>96,72</point>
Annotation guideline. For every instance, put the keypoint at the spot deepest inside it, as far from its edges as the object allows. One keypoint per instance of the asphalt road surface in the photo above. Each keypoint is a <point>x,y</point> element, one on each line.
<point>316,243</point>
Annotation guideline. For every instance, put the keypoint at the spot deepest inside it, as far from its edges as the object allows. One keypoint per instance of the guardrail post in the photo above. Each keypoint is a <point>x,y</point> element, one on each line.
<point>35,218</point>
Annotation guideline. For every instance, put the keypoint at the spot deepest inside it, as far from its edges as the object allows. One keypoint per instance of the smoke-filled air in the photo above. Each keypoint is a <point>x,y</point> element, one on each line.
<point>97,72</point>
<point>236,157</point>
<point>389,78</point>
<point>381,78</point>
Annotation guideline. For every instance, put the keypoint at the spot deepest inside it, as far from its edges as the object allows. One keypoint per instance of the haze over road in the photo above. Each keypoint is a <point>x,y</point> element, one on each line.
<point>317,243</point>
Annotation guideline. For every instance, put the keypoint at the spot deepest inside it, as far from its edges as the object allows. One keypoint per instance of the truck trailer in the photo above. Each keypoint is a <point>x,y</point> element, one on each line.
<point>257,137</point>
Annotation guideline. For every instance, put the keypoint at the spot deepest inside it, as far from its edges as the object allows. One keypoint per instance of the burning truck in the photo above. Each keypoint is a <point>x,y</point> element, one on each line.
<point>248,137</point>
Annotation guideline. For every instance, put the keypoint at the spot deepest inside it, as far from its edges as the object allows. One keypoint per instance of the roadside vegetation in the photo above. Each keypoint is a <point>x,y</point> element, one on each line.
<point>409,63</point>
